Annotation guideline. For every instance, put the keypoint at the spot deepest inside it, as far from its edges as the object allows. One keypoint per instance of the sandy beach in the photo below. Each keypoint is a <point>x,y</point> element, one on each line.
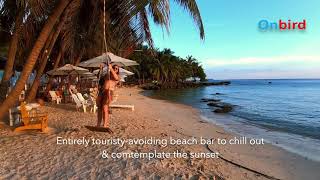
<point>36,155</point>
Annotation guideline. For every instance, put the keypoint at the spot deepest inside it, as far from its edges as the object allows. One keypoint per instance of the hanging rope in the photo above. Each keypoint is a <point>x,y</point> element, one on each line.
<point>104,26</point>
<point>105,37</point>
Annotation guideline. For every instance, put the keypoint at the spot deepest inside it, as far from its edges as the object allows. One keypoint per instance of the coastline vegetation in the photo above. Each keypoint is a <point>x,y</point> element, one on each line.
<point>162,69</point>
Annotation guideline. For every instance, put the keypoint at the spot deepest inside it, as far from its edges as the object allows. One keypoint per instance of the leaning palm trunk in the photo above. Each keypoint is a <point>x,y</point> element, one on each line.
<point>33,56</point>
<point>78,59</point>
<point>55,66</point>
<point>11,57</point>
<point>13,47</point>
<point>45,57</point>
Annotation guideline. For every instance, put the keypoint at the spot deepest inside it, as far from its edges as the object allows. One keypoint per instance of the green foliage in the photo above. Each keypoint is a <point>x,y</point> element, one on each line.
<point>164,67</point>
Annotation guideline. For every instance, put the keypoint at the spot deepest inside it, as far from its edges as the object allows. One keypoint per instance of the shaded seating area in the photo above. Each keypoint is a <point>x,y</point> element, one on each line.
<point>82,96</point>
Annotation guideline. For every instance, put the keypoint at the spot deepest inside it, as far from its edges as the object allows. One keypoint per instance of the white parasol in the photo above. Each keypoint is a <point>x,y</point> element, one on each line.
<point>122,72</point>
<point>67,69</point>
<point>97,61</point>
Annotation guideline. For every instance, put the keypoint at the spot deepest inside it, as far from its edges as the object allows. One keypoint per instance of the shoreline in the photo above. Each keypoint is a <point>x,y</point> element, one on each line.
<point>304,146</point>
<point>27,152</point>
<point>289,154</point>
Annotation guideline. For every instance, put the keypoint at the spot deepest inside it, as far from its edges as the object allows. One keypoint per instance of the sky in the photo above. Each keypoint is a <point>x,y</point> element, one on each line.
<point>235,48</point>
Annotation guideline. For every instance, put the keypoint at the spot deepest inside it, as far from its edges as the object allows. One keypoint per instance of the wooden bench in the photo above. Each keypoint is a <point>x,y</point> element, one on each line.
<point>35,121</point>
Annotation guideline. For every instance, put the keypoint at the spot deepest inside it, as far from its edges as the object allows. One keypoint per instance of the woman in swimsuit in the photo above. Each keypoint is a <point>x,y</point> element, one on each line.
<point>107,86</point>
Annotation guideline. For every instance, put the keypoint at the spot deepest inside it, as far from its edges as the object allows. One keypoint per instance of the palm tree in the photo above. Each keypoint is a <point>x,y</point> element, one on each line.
<point>16,10</point>
<point>127,20</point>
<point>44,59</point>
<point>33,56</point>
<point>168,69</point>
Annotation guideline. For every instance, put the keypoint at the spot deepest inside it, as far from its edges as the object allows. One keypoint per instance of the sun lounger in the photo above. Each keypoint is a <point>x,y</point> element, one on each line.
<point>36,121</point>
<point>115,98</point>
<point>90,102</point>
<point>122,106</point>
<point>80,97</point>
<point>79,103</point>
<point>54,97</point>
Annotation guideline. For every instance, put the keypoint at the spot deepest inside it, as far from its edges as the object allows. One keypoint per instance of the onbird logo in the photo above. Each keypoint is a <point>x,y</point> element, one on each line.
<point>282,25</point>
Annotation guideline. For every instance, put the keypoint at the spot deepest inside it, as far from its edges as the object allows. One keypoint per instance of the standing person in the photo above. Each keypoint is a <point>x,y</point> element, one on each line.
<point>107,84</point>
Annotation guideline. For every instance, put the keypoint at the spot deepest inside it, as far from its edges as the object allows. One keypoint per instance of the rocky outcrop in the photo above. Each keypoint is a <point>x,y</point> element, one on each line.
<point>224,109</point>
<point>210,100</point>
<point>150,86</point>
<point>221,107</point>
<point>181,85</point>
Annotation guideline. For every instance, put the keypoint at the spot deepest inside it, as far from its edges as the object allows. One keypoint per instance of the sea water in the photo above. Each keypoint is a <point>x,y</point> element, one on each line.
<point>284,112</point>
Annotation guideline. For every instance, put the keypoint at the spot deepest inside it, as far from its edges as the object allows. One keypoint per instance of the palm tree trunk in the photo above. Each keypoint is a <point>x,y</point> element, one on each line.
<point>58,58</point>
<point>36,81</point>
<point>78,59</point>
<point>45,57</point>
<point>55,66</point>
<point>11,56</point>
<point>33,56</point>
<point>13,47</point>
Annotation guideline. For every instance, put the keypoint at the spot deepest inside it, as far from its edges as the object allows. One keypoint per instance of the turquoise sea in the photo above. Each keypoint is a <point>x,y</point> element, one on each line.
<point>284,112</point>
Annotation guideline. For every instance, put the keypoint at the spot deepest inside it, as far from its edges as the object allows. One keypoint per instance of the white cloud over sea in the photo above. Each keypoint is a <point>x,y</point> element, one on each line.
<point>263,61</point>
<point>264,67</point>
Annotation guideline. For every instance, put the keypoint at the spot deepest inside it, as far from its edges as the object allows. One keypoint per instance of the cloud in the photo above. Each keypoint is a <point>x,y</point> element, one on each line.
<point>263,74</point>
<point>253,61</point>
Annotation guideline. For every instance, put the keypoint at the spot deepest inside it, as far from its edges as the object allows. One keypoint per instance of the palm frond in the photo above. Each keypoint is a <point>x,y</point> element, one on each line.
<point>192,7</point>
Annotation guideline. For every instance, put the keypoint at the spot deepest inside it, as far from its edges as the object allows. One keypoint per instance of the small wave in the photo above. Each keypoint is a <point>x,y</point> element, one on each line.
<point>301,145</point>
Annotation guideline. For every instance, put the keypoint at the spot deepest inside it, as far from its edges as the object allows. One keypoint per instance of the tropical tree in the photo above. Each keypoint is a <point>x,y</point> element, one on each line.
<point>168,69</point>
<point>127,26</point>
<point>12,14</point>
<point>33,56</point>
<point>44,58</point>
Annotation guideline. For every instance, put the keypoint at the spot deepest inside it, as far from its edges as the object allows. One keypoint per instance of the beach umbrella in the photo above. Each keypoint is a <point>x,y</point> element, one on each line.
<point>67,69</point>
<point>122,78</point>
<point>125,72</point>
<point>88,74</point>
<point>121,71</point>
<point>104,58</point>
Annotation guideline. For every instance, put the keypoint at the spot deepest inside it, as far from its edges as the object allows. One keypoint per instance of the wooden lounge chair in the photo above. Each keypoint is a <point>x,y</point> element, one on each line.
<point>54,97</point>
<point>79,103</point>
<point>36,121</point>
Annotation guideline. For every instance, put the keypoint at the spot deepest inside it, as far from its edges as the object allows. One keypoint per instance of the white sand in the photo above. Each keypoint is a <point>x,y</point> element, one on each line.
<point>36,155</point>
